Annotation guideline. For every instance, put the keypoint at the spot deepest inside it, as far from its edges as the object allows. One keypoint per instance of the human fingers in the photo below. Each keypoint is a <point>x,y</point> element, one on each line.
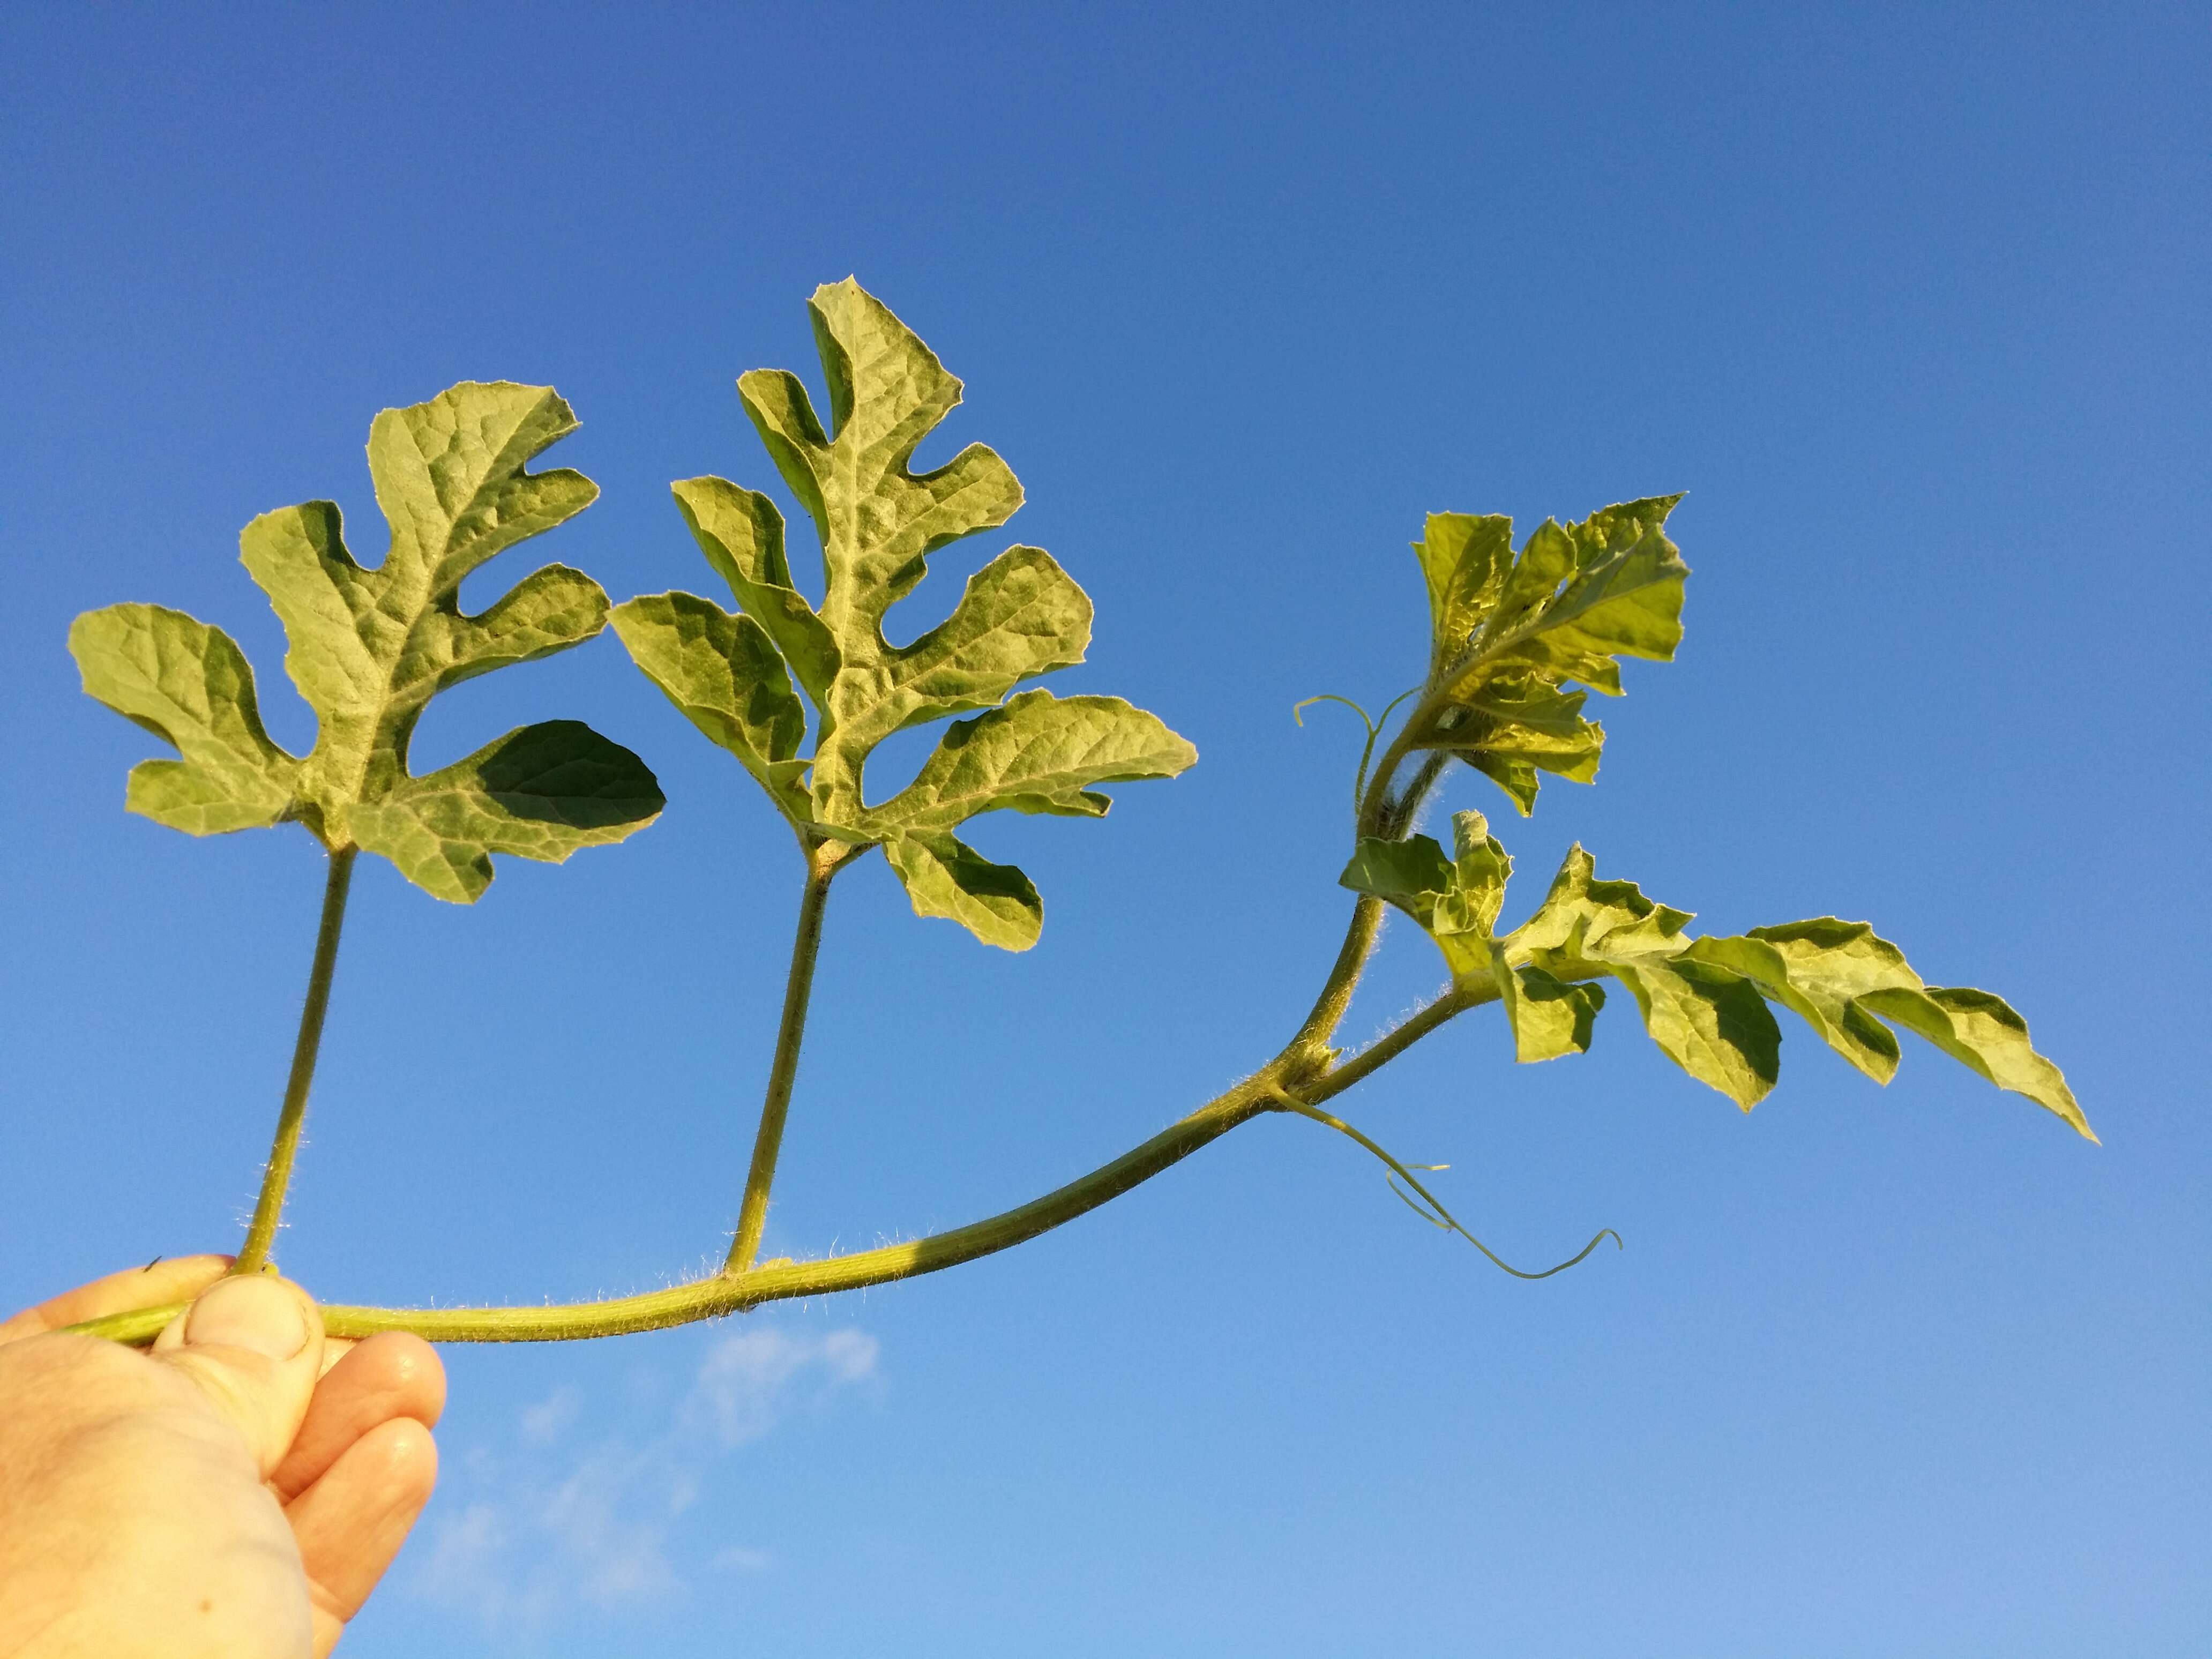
<point>253,1346</point>
<point>351,1522</point>
<point>390,1376</point>
<point>177,1278</point>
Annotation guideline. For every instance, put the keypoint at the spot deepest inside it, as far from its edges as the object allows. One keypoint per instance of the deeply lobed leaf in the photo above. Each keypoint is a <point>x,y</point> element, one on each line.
<point>1019,617</point>
<point>369,649</point>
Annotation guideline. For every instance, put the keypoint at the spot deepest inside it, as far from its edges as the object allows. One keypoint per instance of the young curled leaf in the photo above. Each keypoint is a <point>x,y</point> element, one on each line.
<point>1510,632</point>
<point>369,648</point>
<point>1455,899</point>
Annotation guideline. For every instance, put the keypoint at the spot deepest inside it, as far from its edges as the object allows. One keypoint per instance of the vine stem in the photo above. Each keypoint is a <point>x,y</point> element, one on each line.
<point>269,1209</point>
<point>783,1070</point>
<point>1293,1074</point>
<point>1306,1073</point>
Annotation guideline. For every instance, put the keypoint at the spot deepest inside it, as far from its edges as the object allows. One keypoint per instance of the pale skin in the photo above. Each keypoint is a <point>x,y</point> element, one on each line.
<point>238,1491</point>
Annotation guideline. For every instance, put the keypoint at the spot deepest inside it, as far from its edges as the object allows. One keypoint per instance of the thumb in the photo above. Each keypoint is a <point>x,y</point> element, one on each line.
<point>253,1346</point>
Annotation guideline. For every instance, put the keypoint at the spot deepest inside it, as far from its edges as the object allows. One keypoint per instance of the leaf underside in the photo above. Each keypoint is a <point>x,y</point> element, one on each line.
<point>877,521</point>
<point>1518,640</point>
<point>1705,1000</point>
<point>369,648</point>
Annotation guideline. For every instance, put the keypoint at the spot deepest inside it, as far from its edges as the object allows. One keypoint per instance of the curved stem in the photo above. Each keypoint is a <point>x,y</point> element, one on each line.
<point>783,1070</point>
<point>1359,937</point>
<point>726,1293</point>
<point>269,1209</point>
<point>780,1281</point>
<point>1304,1073</point>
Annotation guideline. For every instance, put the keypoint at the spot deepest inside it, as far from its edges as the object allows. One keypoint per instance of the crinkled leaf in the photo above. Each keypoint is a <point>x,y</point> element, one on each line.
<point>1412,874</point>
<point>1982,1032</point>
<point>945,877</point>
<point>541,791</point>
<point>1818,969</point>
<point>1510,631</point>
<point>190,686</point>
<point>1704,999</point>
<point>1548,1016</point>
<point>1711,1023</point>
<point>1465,558</point>
<point>1585,921</point>
<point>724,675</point>
<point>369,649</point>
<point>1455,899</point>
<point>1019,617</point>
<point>1036,753</point>
<point>877,521</point>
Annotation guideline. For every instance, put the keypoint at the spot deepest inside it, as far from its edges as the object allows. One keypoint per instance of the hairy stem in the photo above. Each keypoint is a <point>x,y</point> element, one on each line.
<point>1359,937</point>
<point>1265,1091</point>
<point>269,1209</point>
<point>783,1072</point>
<point>1378,816</point>
<point>1387,1048</point>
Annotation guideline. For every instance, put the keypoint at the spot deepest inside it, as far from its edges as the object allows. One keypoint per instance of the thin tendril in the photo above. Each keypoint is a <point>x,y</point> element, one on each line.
<point>1359,783</point>
<point>1435,1215</point>
<point>1366,750</point>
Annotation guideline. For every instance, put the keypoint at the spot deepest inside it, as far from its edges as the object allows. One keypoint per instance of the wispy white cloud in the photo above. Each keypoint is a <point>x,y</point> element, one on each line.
<point>542,1424</point>
<point>541,1536</point>
<point>751,1378</point>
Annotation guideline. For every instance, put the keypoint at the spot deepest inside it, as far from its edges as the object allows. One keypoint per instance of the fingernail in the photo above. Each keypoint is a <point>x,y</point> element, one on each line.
<point>258,1314</point>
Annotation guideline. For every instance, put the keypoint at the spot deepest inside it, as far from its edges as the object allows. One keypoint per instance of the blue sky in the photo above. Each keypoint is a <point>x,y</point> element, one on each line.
<point>1911,302</point>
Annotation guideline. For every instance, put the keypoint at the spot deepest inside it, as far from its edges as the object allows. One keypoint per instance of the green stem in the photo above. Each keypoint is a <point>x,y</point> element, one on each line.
<point>1265,1091</point>
<point>1387,1048</point>
<point>1328,1009</point>
<point>269,1209</point>
<point>783,1070</point>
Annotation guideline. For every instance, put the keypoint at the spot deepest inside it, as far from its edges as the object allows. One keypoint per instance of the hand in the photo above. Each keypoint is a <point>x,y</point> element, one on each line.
<point>235,1493</point>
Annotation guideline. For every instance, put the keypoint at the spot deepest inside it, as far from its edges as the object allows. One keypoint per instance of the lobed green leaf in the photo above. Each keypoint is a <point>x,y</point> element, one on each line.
<point>1704,1000</point>
<point>541,793</point>
<point>741,533</point>
<point>369,649</point>
<point>724,673</point>
<point>1019,617</point>
<point>1037,753</point>
<point>190,686</point>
